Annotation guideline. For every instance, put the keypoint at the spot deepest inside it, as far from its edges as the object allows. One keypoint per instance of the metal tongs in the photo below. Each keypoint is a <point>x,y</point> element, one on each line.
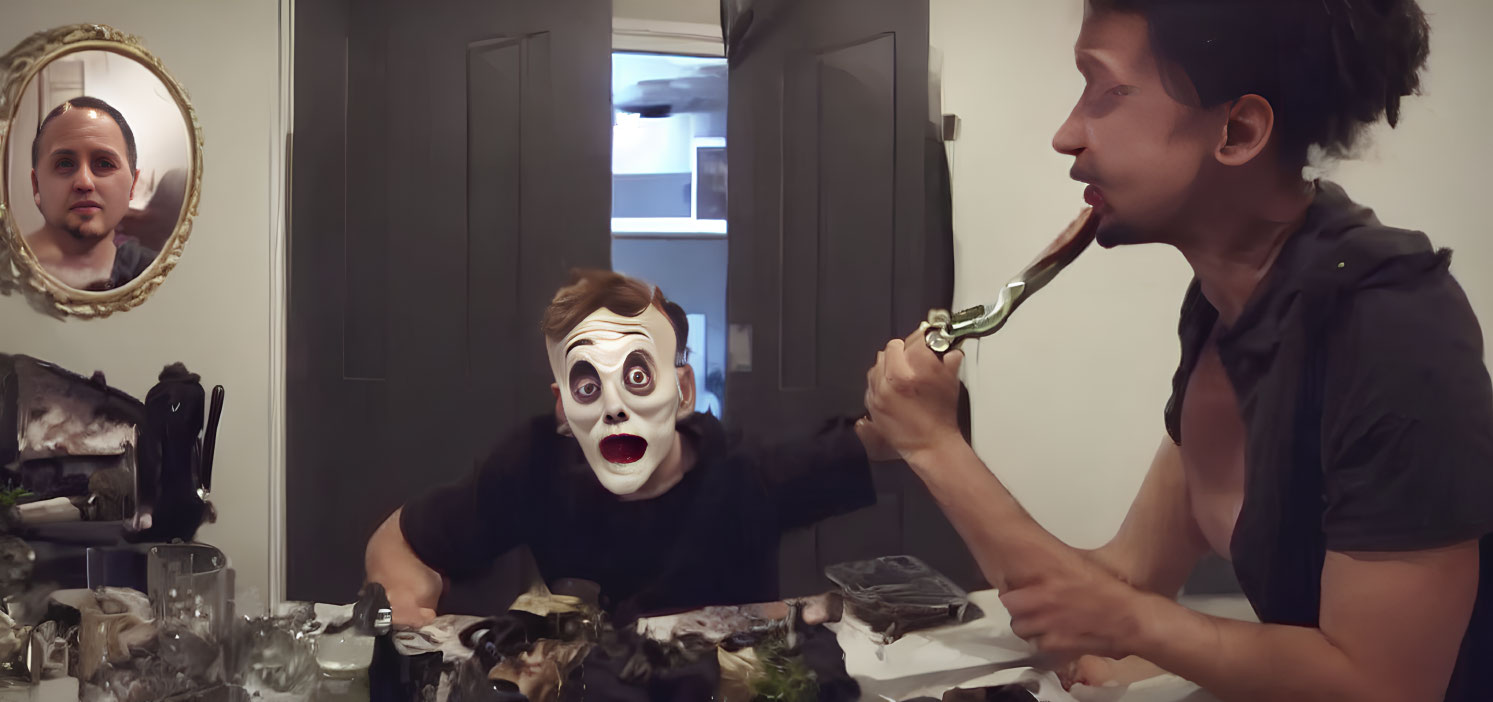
<point>944,331</point>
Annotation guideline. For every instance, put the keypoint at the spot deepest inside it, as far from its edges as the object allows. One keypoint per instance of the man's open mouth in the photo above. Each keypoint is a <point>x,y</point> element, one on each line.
<point>623,448</point>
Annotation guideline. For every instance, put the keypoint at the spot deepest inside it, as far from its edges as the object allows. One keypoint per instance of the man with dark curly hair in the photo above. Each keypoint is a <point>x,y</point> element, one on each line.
<point>1330,430</point>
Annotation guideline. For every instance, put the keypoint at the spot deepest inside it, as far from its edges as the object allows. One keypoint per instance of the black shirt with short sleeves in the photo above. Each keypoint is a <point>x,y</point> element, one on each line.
<point>131,260</point>
<point>712,539</point>
<point>1359,370</point>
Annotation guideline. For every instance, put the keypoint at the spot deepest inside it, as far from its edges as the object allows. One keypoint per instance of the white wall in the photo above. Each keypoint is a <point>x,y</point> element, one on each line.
<point>216,311</point>
<point>697,11</point>
<point>1068,397</point>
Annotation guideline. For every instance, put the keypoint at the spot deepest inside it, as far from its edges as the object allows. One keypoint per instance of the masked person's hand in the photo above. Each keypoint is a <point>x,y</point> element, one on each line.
<point>408,613</point>
<point>912,396</point>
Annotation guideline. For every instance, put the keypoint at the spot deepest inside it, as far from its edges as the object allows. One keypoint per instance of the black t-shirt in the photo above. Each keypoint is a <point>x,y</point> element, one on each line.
<point>710,540</point>
<point>130,261</point>
<point>1358,365</point>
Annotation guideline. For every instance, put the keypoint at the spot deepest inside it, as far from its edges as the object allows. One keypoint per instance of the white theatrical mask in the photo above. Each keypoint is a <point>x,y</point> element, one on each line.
<point>620,393</point>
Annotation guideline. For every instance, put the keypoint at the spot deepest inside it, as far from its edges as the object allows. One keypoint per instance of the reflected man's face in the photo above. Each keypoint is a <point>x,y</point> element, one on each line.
<point>82,182</point>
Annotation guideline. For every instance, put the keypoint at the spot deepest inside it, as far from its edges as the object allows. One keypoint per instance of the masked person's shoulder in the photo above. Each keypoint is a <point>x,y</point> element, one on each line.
<point>535,439</point>
<point>709,432</point>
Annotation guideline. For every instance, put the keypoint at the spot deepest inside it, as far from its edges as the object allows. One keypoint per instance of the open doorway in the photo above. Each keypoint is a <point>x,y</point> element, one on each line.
<point>669,195</point>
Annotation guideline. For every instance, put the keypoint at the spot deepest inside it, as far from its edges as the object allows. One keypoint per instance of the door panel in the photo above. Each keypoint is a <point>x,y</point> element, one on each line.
<point>839,242</point>
<point>451,165</point>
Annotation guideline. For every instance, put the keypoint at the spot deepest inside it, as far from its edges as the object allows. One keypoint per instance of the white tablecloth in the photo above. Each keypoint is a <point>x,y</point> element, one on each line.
<point>928,663</point>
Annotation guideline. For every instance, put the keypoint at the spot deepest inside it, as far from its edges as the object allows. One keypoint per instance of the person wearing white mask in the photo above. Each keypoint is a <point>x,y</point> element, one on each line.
<point>632,490</point>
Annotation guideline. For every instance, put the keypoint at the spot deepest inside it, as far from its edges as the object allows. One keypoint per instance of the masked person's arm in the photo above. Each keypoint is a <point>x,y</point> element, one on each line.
<point>816,476</point>
<point>414,589</point>
<point>458,529</point>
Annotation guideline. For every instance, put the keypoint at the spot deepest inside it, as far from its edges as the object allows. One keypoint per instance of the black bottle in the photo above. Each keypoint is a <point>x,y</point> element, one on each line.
<point>174,460</point>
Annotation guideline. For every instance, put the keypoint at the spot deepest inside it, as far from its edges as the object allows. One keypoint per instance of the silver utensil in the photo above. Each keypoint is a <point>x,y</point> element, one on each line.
<point>945,330</point>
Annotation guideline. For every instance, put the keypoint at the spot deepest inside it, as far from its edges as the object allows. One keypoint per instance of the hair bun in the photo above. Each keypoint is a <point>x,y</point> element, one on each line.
<point>1380,47</point>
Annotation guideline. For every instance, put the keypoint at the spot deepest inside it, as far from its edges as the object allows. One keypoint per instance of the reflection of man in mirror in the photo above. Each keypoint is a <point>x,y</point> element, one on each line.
<point>83,175</point>
<point>635,492</point>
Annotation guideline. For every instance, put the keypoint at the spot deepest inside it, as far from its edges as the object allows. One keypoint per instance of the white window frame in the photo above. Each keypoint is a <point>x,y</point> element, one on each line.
<point>678,39</point>
<point>663,37</point>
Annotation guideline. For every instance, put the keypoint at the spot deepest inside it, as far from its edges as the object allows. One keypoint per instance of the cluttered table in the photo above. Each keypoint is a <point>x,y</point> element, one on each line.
<point>894,630</point>
<point>925,664</point>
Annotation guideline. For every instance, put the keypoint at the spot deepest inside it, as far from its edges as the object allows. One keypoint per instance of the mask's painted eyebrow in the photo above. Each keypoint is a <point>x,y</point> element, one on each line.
<point>588,342</point>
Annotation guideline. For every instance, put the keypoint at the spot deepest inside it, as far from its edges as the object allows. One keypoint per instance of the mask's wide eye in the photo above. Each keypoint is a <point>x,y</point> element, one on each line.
<point>637,373</point>
<point>585,383</point>
<point>587,391</point>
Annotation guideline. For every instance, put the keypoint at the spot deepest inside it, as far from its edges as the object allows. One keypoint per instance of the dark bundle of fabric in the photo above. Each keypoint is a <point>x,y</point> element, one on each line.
<point>521,656</point>
<point>629,667</point>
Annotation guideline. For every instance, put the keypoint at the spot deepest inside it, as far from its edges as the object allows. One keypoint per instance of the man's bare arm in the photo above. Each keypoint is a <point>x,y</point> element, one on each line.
<point>911,396</point>
<point>1159,543</point>
<point>414,588</point>
<point>1391,626</point>
<point>1011,548</point>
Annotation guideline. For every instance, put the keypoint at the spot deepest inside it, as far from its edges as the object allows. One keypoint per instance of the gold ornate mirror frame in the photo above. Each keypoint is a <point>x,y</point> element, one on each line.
<point>19,268</point>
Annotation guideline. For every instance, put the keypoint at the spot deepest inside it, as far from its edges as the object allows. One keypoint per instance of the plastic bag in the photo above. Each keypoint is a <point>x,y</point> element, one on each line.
<point>897,594</point>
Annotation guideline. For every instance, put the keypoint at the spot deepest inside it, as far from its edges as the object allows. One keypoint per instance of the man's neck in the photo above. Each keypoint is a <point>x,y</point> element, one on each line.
<point>680,460</point>
<point>1235,250</point>
<point>52,245</point>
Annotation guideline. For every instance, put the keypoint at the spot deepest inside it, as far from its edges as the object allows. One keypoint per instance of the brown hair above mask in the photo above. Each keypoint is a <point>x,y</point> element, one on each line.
<point>592,289</point>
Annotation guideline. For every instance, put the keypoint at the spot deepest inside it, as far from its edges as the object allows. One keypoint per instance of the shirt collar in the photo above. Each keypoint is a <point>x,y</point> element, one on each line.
<point>1330,217</point>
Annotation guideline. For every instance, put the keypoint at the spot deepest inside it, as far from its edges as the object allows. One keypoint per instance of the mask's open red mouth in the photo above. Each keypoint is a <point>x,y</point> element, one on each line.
<point>623,448</point>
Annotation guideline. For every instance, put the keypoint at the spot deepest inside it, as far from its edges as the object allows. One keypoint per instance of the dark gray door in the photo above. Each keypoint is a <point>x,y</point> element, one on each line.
<point>839,241</point>
<point>450,166</point>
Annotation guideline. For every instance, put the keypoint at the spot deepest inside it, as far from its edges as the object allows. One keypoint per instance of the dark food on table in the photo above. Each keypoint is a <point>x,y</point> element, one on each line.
<point>522,656</point>
<point>628,666</point>
<point>776,650</point>
<point>743,626</point>
<point>1013,692</point>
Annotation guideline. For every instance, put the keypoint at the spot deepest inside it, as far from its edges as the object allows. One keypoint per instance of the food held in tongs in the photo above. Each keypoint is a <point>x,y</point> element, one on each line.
<point>945,330</point>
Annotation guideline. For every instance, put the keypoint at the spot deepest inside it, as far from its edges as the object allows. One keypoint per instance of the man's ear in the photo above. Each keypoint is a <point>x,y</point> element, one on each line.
<point>134,182</point>
<point>1247,130</point>
<point>35,189</point>
<point>562,425</point>
<point>686,375</point>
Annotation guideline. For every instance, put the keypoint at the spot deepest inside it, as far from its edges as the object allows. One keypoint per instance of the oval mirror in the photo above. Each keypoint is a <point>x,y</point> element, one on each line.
<point>102,170</point>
